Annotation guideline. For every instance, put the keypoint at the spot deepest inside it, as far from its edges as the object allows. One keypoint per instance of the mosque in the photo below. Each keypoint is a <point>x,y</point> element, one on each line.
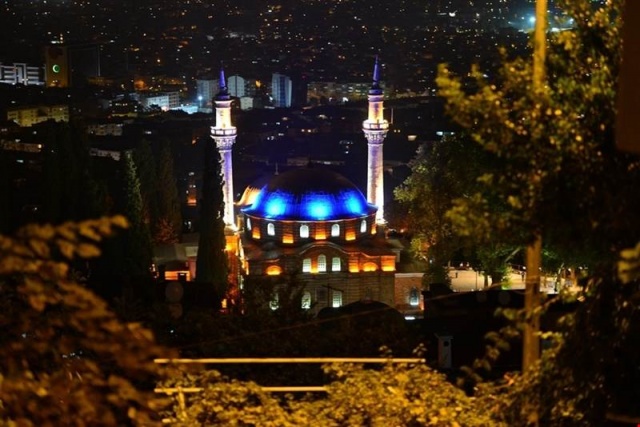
<point>312,222</point>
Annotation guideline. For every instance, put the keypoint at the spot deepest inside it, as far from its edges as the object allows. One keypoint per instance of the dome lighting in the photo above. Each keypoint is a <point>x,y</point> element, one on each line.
<point>309,194</point>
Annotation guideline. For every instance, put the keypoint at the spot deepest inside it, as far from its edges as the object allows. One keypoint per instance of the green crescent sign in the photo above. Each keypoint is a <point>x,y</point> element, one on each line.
<point>55,68</point>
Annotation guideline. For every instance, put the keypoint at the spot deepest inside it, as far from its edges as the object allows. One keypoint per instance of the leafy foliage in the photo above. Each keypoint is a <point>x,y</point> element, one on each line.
<point>396,394</point>
<point>561,172</point>
<point>442,173</point>
<point>562,175</point>
<point>428,192</point>
<point>65,359</point>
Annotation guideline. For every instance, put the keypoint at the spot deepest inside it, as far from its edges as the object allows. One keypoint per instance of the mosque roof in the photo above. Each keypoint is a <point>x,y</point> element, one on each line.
<point>309,194</point>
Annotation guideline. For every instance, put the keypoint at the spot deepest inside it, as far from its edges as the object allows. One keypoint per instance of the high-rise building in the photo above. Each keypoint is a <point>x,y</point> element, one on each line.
<point>237,86</point>
<point>281,90</point>
<point>72,65</point>
<point>206,90</point>
<point>20,73</point>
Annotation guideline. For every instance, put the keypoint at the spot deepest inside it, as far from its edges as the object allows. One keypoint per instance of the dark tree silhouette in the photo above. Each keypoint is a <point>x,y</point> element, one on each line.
<point>212,265</point>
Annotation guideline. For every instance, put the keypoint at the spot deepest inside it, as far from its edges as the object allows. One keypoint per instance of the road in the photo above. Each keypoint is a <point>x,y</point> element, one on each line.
<point>469,280</point>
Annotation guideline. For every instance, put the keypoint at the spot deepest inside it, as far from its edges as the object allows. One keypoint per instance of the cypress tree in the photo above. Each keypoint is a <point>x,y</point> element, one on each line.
<point>211,266</point>
<point>146,166</point>
<point>168,225</point>
<point>137,239</point>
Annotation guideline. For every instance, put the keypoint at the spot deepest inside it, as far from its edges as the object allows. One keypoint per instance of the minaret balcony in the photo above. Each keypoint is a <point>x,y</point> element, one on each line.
<point>223,131</point>
<point>382,126</point>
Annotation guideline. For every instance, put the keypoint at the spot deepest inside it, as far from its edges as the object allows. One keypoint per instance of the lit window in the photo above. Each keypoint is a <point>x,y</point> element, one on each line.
<point>363,226</point>
<point>248,223</point>
<point>304,231</point>
<point>322,263</point>
<point>335,230</point>
<point>336,300</point>
<point>271,229</point>
<point>336,264</point>
<point>274,304</point>
<point>306,265</point>
<point>414,297</point>
<point>306,300</point>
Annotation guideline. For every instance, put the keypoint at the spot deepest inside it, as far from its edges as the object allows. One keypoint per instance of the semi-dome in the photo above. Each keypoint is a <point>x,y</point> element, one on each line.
<point>309,194</point>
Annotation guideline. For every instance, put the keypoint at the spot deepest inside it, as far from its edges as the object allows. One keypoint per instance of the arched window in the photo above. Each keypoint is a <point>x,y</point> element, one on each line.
<point>363,226</point>
<point>248,222</point>
<point>336,264</point>
<point>271,229</point>
<point>306,300</point>
<point>304,231</point>
<point>274,303</point>
<point>336,298</point>
<point>322,263</point>
<point>414,297</point>
<point>335,230</point>
<point>306,265</point>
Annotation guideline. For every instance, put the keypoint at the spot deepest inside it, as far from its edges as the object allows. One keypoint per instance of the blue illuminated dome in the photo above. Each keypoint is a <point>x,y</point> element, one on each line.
<point>309,194</point>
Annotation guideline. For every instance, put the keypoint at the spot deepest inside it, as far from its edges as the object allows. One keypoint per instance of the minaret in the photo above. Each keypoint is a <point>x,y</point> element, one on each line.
<point>375,129</point>
<point>225,135</point>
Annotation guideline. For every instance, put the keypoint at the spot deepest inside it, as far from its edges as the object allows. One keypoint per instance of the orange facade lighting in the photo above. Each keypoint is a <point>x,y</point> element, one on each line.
<point>287,238</point>
<point>369,267</point>
<point>274,270</point>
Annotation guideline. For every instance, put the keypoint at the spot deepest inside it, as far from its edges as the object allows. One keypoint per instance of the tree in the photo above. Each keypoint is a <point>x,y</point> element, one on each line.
<point>146,167</point>
<point>136,242</point>
<point>564,177</point>
<point>211,265</point>
<point>168,223</point>
<point>560,168</point>
<point>442,172</point>
<point>65,359</point>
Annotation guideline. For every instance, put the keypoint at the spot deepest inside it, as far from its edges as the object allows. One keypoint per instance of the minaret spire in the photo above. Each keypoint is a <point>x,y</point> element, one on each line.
<point>222,83</point>
<point>376,75</point>
<point>224,134</point>
<point>375,129</point>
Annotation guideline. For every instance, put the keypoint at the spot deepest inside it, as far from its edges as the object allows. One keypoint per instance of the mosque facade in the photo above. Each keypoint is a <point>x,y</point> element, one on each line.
<point>311,222</point>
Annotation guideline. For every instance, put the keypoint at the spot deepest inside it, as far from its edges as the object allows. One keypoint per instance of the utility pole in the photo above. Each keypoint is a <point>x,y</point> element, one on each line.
<point>531,340</point>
